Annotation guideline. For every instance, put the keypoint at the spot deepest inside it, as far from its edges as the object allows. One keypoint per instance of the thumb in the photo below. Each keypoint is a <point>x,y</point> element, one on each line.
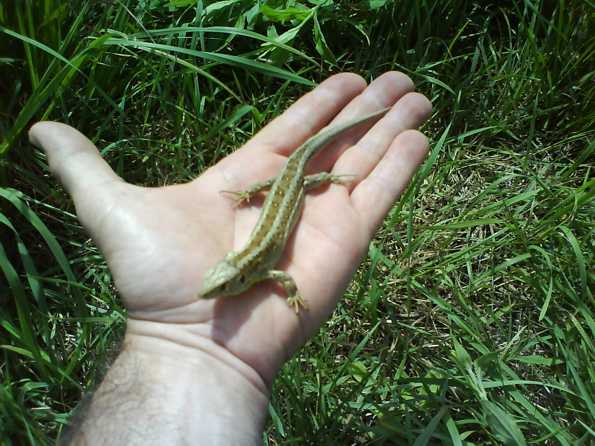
<point>75,160</point>
<point>72,157</point>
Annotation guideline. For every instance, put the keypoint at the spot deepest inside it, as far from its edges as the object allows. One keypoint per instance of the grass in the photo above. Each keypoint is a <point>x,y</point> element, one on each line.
<point>471,319</point>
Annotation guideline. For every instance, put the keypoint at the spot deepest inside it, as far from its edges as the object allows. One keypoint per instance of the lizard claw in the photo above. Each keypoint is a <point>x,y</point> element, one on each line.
<point>241,197</point>
<point>296,301</point>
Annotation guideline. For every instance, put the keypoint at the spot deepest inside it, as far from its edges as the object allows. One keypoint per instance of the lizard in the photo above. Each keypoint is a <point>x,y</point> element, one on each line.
<point>240,270</point>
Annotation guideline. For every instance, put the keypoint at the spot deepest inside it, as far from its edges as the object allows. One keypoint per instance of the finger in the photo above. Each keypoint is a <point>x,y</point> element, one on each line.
<point>381,93</point>
<point>360,159</point>
<point>71,156</point>
<point>376,194</point>
<point>286,133</point>
<point>308,114</point>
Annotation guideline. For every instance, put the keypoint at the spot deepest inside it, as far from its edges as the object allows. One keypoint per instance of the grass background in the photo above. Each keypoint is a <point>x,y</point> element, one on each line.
<point>470,322</point>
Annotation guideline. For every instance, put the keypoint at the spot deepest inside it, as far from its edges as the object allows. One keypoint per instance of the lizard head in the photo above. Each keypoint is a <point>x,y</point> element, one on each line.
<point>220,281</point>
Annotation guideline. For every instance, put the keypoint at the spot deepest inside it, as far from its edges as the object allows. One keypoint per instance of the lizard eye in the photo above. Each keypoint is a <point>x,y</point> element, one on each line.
<point>242,279</point>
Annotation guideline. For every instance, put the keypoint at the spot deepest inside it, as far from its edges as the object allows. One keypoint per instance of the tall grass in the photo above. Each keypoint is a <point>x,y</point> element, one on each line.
<point>471,319</point>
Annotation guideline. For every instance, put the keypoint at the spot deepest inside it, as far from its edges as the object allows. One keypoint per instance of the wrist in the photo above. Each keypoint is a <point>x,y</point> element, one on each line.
<point>161,390</point>
<point>191,344</point>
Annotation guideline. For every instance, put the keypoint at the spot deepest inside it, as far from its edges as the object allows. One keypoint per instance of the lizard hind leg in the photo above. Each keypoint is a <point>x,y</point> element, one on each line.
<point>244,196</point>
<point>318,179</point>
<point>294,298</point>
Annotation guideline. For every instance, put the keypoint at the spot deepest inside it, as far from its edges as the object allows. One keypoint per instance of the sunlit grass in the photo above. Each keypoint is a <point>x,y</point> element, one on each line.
<point>471,319</point>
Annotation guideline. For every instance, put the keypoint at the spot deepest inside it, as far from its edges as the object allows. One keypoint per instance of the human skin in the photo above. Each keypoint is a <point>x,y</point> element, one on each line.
<point>199,371</point>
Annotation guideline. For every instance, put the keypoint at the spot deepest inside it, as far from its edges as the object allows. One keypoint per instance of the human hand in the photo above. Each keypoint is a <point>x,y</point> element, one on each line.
<point>159,242</point>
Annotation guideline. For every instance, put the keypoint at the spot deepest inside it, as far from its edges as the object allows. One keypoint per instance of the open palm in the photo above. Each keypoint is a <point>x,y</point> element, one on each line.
<point>159,242</point>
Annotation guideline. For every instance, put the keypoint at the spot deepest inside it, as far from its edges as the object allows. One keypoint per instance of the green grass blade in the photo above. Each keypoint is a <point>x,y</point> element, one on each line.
<point>237,61</point>
<point>503,425</point>
<point>268,41</point>
<point>24,313</point>
<point>16,198</point>
<point>424,438</point>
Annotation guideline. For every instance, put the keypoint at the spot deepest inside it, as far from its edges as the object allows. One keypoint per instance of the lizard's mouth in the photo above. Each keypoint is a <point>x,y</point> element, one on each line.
<point>208,293</point>
<point>218,281</point>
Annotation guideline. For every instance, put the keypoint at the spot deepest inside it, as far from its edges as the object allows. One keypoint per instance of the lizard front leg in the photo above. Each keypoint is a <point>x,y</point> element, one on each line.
<point>294,299</point>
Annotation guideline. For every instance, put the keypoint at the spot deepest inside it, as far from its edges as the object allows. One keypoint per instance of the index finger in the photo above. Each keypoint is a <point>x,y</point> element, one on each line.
<point>308,114</point>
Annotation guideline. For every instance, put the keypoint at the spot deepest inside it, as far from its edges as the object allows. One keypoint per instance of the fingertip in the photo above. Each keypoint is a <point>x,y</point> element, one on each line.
<point>418,105</point>
<point>35,131</point>
<point>396,83</point>
<point>52,136</point>
<point>352,80</point>
<point>413,145</point>
<point>72,157</point>
<point>309,114</point>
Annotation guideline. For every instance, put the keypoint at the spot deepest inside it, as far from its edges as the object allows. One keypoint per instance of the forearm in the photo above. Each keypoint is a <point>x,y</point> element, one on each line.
<point>159,391</point>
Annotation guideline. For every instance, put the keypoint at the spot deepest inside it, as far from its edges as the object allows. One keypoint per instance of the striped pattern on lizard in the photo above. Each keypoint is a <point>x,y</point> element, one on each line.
<point>255,262</point>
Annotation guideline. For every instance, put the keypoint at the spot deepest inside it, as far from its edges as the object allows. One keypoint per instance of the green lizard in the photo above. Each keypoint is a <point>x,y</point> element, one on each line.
<point>240,270</point>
